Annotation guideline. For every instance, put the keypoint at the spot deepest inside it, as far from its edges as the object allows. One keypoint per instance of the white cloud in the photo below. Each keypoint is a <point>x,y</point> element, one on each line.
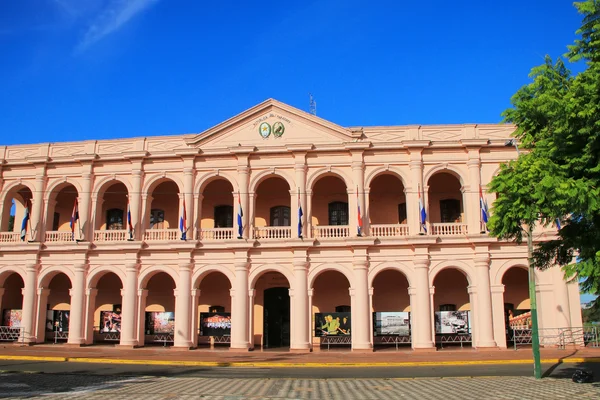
<point>116,14</point>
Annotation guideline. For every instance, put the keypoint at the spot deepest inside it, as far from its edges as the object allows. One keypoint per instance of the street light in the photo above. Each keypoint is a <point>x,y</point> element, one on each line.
<point>535,338</point>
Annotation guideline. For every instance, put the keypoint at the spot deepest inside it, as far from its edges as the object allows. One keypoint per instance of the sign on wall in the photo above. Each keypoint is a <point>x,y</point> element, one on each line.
<point>334,323</point>
<point>110,321</point>
<point>391,323</point>
<point>452,322</point>
<point>215,324</point>
<point>12,318</point>
<point>160,322</point>
<point>57,320</point>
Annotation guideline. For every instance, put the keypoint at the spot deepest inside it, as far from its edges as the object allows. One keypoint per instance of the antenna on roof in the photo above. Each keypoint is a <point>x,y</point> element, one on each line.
<point>312,105</point>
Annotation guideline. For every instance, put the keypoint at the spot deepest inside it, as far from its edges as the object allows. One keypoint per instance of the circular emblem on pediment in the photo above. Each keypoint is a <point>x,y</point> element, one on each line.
<point>278,129</point>
<point>264,129</point>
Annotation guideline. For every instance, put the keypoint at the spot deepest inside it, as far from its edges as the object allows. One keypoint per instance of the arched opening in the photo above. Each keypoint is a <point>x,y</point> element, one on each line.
<point>517,309</point>
<point>391,309</point>
<point>331,309</point>
<point>272,311</point>
<point>159,310</point>
<point>213,310</point>
<point>329,208</point>
<point>216,222</point>
<point>387,207</point>
<point>445,205</point>
<point>62,208</point>
<point>11,306</point>
<point>111,214</point>
<point>58,306</point>
<point>452,308</point>
<point>106,308</point>
<point>15,215</point>
<point>162,213</point>
<point>272,205</point>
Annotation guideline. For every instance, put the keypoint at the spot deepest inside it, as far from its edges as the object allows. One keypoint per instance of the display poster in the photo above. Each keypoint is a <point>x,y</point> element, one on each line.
<point>391,323</point>
<point>334,323</point>
<point>110,321</point>
<point>160,322</point>
<point>57,321</point>
<point>452,322</point>
<point>12,318</point>
<point>215,324</point>
<point>519,319</point>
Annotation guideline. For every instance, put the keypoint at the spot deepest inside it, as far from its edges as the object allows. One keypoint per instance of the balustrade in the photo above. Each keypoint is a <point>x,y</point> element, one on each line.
<point>389,230</point>
<point>272,232</point>
<point>10,237</point>
<point>216,234</point>
<point>59,236</point>
<point>111,235</point>
<point>331,231</point>
<point>448,228</point>
<point>161,235</point>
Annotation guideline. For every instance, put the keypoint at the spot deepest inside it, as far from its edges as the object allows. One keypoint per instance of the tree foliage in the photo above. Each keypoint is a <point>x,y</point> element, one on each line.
<point>557,117</point>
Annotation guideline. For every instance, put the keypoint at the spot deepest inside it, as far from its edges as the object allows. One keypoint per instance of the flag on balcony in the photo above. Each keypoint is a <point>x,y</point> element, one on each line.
<point>183,223</point>
<point>484,211</point>
<point>422,213</point>
<point>359,217</point>
<point>239,217</point>
<point>129,223</point>
<point>558,225</point>
<point>74,219</point>
<point>300,214</point>
<point>25,222</point>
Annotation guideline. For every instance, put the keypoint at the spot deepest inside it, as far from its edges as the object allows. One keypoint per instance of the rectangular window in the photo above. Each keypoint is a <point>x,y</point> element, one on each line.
<point>450,210</point>
<point>114,219</point>
<point>223,217</point>
<point>280,216</point>
<point>157,219</point>
<point>55,221</point>
<point>402,213</point>
<point>338,213</point>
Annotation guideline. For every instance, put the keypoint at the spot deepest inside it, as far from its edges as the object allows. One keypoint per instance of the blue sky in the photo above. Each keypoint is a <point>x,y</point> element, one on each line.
<point>96,69</point>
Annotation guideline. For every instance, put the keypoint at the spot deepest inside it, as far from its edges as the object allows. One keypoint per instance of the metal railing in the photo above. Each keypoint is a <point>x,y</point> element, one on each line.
<point>163,235</point>
<point>392,339</point>
<point>10,237</point>
<point>111,235</point>
<point>331,231</point>
<point>389,230</point>
<point>272,232</point>
<point>448,228</point>
<point>215,234</point>
<point>59,236</point>
<point>450,338</point>
<point>163,338</point>
<point>588,336</point>
<point>11,334</point>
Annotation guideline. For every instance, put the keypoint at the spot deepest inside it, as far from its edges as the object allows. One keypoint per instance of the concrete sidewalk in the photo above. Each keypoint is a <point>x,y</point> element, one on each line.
<point>205,357</point>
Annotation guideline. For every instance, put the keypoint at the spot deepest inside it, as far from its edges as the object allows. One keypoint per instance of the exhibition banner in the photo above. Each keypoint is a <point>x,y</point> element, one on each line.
<point>12,318</point>
<point>334,323</point>
<point>57,321</point>
<point>215,324</point>
<point>391,323</point>
<point>110,321</point>
<point>160,322</point>
<point>452,322</point>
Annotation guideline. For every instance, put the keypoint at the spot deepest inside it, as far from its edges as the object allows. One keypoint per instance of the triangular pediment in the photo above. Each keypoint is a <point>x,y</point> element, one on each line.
<point>271,124</point>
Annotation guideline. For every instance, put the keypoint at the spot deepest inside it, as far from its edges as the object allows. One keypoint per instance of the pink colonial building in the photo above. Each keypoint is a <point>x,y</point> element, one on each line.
<point>298,233</point>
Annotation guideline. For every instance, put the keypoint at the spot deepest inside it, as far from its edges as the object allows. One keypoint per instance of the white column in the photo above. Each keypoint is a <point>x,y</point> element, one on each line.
<point>472,290</point>
<point>309,231</point>
<point>421,309</point>
<point>198,198</point>
<point>358,173</point>
<point>188,187</point>
<point>183,302</point>
<point>472,208</point>
<point>301,314</point>
<point>412,196</point>
<point>360,309</point>
<point>84,207</point>
<point>134,200</point>
<point>37,225</point>
<point>485,333</point>
<point>500,327</point>
<point>42,302</point>
<point>141,316</point>
<point>90,308</point>
<point>563,317</point>
<point>195,293</point>
<point>129,314</point>
<point>76,315</point>
<point>239,309</point>
<point>251,294</point>
<point>301,170</point>
<point>243,172</point>
<point>29,300</point>
<point>310,318</point>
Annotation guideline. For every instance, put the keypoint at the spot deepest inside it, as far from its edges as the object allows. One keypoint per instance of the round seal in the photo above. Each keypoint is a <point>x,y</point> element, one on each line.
<point>278,129</point>
<point>264,129</point>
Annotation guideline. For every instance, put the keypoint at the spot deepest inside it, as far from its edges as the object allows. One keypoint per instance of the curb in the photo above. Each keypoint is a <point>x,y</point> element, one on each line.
<point>264,364</point>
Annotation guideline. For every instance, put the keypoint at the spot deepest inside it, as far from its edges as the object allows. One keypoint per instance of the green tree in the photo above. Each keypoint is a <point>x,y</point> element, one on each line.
<point>558,175</point>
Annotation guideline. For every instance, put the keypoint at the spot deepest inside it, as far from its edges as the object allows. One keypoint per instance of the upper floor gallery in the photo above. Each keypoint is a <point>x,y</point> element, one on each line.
<point>271,172</point>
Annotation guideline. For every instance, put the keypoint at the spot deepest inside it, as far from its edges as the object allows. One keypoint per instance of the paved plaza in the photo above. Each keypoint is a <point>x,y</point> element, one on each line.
<point>84,386</point>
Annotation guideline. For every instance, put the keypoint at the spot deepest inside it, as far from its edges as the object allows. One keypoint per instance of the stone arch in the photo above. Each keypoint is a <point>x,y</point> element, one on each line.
<point>201,272</point>
<point>203,180</point>
<point>263,175</point>
<point>448,168</point>
<point>323,172</point>
<point>56,185</point>
<point>390,265</point>
<point>499,274</point>
<point>156,179</point>
<point>6,271</point>
<point>463,267</point>
<point>103,183</point>
<point>50,272</point>
<point>10,187</point>
<point>149,272</point>
<point>257,272</point>
<point>395,171</point>
<point>95,273</point>
<point>313,273</point>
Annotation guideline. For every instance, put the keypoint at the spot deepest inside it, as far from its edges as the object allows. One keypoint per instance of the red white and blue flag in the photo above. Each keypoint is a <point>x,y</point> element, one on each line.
<point>300,214</point>
<point>359,216</point>
<point>422,213</point>
<point>25,222</point>
<point>183,223</point>
<point>129,223</point>
<point>484,211</point>
<point>239,217</point>
<point>74,219</point>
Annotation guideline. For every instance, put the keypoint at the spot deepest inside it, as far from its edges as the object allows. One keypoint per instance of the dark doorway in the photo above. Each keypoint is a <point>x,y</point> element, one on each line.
<point>277,318</point>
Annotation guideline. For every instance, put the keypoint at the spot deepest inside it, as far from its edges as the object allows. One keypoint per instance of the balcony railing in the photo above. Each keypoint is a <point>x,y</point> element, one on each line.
<point>215,234</point>
<point>272,232</point>
<point>10,237</point>
<point>448,228</point>
<point>331,231</point>
<point>155,235</point>
<point>389,230</point>
<point>111,236</point>
<point>59,236</point>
